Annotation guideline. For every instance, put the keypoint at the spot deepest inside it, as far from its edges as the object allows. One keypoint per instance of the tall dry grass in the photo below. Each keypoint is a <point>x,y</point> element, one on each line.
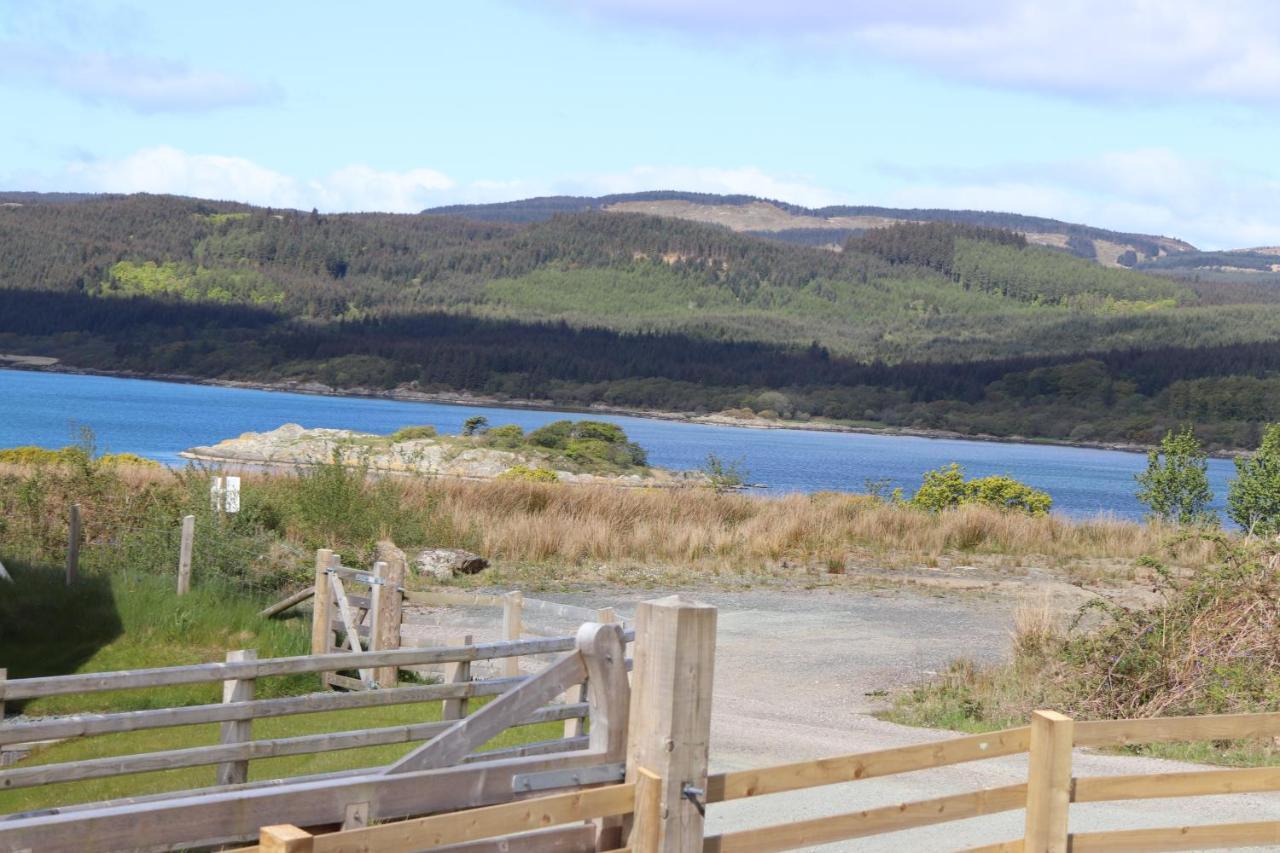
<point>698,529</point>
<point>541,522</point>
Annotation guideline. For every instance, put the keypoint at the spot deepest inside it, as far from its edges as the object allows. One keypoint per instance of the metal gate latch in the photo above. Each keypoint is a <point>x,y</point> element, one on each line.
<point>692,794</point>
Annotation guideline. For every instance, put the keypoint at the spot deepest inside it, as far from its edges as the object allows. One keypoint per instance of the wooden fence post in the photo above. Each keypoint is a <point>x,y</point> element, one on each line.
<point>670,720</point>
<point>73,545</point>
<point>322,606</point>
<point>237,731</point>
<point>457,672</point>
<point>512,615</point>
<point>609,697</point>
<point>387,615</point>
<point>1049,782</point>
<point>578,693</point>
<point>184,553</point>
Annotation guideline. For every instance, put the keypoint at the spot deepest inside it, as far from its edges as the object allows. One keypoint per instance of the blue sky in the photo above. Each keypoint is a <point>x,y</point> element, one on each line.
<point>1145,116</point>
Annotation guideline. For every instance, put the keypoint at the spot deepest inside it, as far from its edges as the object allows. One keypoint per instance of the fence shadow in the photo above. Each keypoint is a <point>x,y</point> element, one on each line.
<point>48,628</point>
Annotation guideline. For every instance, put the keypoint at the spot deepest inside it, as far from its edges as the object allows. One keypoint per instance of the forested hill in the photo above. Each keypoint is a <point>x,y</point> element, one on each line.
<point>960,326</point>
<point>830,226</point>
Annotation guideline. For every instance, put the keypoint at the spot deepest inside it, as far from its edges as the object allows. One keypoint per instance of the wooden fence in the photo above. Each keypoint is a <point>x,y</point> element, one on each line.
<point>639,773</point>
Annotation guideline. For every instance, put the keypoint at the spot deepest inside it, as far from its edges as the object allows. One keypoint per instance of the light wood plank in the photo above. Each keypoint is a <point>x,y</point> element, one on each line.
<point>469,734</point>
<point>60,685</point>
<point>1190,783</point>
<point>825,830</point>
<point>866,765</point>
<point>447,598</point>
<point>1165,729</point>
<point>238,815</point>
<point>285,839</point>
<point>100,768</point>
<point>1212,836</point>
<point>422,833</point>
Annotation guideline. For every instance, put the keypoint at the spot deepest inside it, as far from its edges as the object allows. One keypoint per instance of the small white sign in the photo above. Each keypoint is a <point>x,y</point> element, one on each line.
<point>231,495</point>
<point>224,494</point>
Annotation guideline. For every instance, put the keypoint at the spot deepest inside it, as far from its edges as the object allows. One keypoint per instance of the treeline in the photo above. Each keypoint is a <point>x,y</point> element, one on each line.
<point>1132,395</point>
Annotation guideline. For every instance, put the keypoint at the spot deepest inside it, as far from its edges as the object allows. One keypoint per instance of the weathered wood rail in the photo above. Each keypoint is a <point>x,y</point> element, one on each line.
<point>639,774</point>
<point>239,709</point>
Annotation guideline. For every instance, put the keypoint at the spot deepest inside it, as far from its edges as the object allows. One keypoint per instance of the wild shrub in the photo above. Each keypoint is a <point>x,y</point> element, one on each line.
<point>505,437</point>
<point>946,488</point>
<point>532,475</point>
<point>413,433</point>
<point>1253,498</point>
<point>1175,484</point>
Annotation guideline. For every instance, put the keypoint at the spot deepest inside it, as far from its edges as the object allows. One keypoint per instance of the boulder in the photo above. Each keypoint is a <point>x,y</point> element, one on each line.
<point>447,562</point>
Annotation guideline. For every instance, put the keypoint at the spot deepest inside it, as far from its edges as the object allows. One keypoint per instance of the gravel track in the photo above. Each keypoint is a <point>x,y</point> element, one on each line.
<point>799,674</point>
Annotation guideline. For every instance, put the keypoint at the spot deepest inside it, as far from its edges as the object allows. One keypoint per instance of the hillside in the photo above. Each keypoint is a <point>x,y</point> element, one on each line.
<point>964,327</point>
<point>831,226</point>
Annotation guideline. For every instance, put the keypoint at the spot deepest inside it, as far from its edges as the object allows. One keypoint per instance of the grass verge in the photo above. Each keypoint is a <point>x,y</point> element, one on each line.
<point>1208,647</point>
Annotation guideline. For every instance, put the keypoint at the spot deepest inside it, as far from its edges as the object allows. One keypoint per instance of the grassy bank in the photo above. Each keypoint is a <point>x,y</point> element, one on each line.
<point>583,532</point>
<point>115,621</point>
<point>1209,646</point>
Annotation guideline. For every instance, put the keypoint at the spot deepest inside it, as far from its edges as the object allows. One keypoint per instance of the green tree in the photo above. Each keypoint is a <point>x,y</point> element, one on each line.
<point>1253,498</point>
<point>474,424</point>
<point>1175,486</point>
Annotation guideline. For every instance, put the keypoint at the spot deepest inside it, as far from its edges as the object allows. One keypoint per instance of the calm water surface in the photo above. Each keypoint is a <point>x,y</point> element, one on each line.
<point>160,419</point>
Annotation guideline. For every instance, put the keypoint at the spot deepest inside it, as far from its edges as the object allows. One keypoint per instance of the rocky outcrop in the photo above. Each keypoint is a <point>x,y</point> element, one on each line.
<point>446,563</point>
<point>295,446</point>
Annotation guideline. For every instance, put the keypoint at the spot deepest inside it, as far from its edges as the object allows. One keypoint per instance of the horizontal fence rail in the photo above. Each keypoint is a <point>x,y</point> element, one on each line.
<point>205,673</point>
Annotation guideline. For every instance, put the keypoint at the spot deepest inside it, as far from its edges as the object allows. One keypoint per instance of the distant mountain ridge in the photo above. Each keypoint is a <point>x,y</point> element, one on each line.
<point>830,226</point>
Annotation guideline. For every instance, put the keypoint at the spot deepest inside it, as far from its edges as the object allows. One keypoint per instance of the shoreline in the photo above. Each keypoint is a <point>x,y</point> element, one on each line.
<point>40,364</point>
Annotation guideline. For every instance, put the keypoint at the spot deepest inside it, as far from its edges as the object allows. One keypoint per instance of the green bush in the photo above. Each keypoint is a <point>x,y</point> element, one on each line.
<point>553,436</point>
<point>413,433</point>
<point>506,437</point>
<point>946,487</point>
<point>599,431</point>
<point>1253,498</point>
<point>1175,486</point>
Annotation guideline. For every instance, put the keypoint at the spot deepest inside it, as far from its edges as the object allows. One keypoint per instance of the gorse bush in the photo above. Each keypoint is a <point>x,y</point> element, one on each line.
<point>946,488</point>
<point>531,475</point>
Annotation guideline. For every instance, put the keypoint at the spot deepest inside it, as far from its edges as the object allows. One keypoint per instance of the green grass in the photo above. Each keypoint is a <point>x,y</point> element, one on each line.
<point>27,799</point>
<point>115,622</point>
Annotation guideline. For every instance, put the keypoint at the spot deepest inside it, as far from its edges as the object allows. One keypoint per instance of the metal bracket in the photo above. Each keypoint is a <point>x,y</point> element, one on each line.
<point>693,795</point>
<point>551,779</point>
<point>360,577</point>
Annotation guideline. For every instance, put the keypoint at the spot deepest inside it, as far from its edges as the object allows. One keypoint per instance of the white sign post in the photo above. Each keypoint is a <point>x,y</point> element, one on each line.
<point>224,494</point>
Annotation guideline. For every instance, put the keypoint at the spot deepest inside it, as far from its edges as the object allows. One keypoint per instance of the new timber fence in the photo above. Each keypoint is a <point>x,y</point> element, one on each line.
<point>638,779</point>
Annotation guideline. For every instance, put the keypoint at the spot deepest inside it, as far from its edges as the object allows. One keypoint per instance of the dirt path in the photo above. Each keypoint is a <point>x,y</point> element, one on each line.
<point>798,675</point>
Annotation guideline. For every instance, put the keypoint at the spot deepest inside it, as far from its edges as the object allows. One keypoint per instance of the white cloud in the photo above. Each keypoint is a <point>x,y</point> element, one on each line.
<point>144,84</point>
<point>164,169</point>
<point>1150,190</point>
<point>1095,48</point>
<point>746,180</point>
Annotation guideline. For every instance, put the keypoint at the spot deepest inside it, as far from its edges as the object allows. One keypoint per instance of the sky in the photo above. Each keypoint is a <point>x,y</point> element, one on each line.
<point>1158,116</point>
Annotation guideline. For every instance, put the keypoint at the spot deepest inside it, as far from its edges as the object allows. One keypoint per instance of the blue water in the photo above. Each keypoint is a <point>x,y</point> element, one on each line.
<point>160,419</point>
